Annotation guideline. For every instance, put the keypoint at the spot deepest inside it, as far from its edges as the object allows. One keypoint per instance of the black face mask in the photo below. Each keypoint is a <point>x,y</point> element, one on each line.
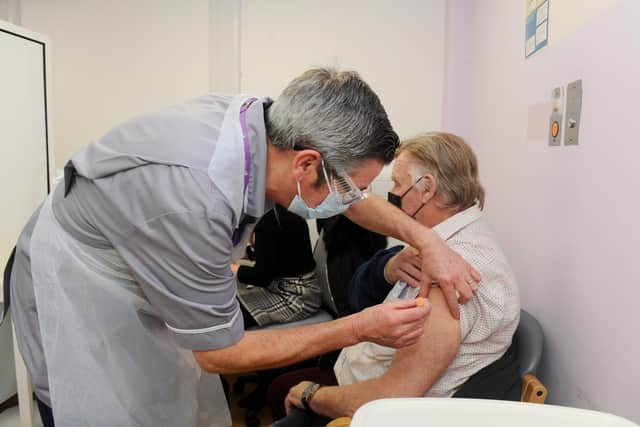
<point>396,200</point>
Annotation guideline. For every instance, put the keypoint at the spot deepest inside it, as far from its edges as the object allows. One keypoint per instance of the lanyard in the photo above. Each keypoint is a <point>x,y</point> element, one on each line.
<point>245,139</point>
<point>247,163</point>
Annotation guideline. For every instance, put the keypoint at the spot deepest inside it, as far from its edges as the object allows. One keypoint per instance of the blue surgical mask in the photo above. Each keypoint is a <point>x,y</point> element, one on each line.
<point>329,207</point>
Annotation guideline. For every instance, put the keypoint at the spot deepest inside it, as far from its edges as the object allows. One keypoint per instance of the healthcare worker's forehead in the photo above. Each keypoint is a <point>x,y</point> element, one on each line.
<point>367,171</point>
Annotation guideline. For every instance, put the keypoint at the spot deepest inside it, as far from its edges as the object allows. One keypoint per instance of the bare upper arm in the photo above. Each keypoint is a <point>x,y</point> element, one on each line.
<point>416,368</point>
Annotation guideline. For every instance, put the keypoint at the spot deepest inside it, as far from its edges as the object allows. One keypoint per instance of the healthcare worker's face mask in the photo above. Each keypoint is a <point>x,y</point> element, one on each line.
<point>396,200</point>
<point>342,193</point>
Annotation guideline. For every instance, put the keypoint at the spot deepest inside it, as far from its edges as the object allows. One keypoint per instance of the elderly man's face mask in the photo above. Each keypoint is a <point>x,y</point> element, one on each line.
<point>396,200</point>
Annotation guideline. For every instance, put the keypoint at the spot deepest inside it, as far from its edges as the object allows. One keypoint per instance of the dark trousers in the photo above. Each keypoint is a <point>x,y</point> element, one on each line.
<point>46,414</point>
<point>249,321</point>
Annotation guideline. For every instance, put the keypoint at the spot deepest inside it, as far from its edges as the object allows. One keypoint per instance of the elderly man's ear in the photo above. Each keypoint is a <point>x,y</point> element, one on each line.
<point>428,187</point>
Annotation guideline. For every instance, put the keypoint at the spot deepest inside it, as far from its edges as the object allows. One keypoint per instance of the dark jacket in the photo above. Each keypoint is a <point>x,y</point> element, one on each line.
<point>348,246</point>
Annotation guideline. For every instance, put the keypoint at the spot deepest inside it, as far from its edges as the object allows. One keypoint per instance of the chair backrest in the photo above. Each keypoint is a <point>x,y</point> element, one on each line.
<point>530,339</point>
<point>8,386</point>
<point>322,275</point>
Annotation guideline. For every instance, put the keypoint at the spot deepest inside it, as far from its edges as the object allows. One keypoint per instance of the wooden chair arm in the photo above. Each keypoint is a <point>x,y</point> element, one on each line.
<point>533,391</point>
<point>340,422</point>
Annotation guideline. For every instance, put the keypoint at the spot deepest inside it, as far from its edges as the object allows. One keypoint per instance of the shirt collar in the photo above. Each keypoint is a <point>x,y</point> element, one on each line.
<point>257,204</point>
<point>447,228</point>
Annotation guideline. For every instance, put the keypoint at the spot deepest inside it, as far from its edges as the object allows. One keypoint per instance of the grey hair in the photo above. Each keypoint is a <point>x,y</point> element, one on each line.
<point>453,165</point>
<point>335,113</point>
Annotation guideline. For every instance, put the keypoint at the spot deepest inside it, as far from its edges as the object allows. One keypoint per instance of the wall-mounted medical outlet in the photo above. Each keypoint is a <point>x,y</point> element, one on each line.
<point>572,113</point>
<point>555,121</point>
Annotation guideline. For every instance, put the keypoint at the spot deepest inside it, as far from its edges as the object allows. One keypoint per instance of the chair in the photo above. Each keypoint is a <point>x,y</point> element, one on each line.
<point>327,312</point>
<point>8,388</point>
<point>529,339</point>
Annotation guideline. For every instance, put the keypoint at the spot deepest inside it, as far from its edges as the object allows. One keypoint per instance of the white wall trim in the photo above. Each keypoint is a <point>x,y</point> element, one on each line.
<point>225,46</point>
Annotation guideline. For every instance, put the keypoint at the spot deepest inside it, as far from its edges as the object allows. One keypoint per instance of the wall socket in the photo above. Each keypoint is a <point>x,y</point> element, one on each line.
<point>573,110</point>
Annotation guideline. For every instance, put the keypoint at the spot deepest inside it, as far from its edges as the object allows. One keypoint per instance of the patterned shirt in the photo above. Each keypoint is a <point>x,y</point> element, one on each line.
<point>487,322</point>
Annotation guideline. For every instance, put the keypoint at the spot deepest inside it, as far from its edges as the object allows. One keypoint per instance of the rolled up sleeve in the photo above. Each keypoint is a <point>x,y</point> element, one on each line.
<point>181,261</point>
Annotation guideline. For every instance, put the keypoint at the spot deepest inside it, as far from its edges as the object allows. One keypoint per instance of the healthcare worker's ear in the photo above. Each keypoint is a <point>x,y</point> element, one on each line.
<point>305,165</point>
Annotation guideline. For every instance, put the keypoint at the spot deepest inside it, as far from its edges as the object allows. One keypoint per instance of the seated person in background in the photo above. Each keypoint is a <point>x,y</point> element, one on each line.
<point>348,246</point>
<point>282,286</point>
<point>435,180</point>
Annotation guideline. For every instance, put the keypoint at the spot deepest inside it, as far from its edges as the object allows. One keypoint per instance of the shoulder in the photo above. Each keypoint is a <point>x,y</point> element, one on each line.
<point>477,244</point>
<point>497,300</point>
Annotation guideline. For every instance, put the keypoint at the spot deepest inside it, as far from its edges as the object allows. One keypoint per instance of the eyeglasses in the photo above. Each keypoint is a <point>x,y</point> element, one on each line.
<point>346,191</point>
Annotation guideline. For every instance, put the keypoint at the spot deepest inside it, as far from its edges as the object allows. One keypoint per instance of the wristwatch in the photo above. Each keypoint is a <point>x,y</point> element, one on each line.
<point>307,394</point>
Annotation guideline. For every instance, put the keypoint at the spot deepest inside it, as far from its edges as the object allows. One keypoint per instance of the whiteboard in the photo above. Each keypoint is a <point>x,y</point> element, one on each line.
<point>24,136</point>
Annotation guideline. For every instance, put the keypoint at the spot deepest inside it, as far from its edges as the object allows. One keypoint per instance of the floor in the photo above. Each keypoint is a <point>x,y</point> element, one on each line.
<point>10,417</point>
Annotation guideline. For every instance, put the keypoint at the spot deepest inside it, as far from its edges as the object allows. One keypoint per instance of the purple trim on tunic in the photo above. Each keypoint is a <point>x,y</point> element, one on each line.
<point>245,139</point>
<point>235,237</point>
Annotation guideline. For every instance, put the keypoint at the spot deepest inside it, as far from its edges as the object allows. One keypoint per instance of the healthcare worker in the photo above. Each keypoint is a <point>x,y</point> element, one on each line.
<point>123,297</point>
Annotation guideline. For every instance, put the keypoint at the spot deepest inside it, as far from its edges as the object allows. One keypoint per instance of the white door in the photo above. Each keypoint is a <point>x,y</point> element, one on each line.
<point>24,165</point>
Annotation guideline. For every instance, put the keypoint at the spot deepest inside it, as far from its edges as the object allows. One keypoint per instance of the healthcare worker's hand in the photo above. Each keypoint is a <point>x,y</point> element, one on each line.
<point>443,266</point>
<point>406,265</point>
<point>392,324</point>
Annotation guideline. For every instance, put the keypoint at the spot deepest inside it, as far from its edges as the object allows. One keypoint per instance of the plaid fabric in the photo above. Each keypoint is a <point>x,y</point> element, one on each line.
<point>287,299</point>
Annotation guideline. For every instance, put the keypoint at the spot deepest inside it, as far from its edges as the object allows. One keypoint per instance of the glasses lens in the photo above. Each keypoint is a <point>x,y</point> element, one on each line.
<point>346,190</point>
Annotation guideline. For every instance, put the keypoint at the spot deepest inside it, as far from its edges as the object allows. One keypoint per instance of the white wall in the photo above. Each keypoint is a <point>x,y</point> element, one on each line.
<point>115,60</point>
<point>566,215</point>
<point>224,47</point>
<point>10,11</point>
<point>398,48</point>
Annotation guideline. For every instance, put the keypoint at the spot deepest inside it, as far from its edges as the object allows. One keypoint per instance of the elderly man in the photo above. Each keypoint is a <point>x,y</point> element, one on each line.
<point>122,288</point>
<point>435,180</point>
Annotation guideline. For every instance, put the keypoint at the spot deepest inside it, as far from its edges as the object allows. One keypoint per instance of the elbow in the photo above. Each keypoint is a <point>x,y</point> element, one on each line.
<point>412,390</point>
<point>213,362</point>
<point>206,364</point>
<point>393,387</point>
<point>349,412</point>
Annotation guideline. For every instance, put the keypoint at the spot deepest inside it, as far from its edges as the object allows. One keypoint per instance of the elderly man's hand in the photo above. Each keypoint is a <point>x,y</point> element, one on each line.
<point>294,397</point>
<point>445,267</point>
<point>405,266</point>
<point>392,324</point>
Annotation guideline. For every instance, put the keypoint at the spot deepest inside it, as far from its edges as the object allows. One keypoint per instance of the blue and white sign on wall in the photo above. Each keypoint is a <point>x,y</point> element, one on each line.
<point>536,34</point>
